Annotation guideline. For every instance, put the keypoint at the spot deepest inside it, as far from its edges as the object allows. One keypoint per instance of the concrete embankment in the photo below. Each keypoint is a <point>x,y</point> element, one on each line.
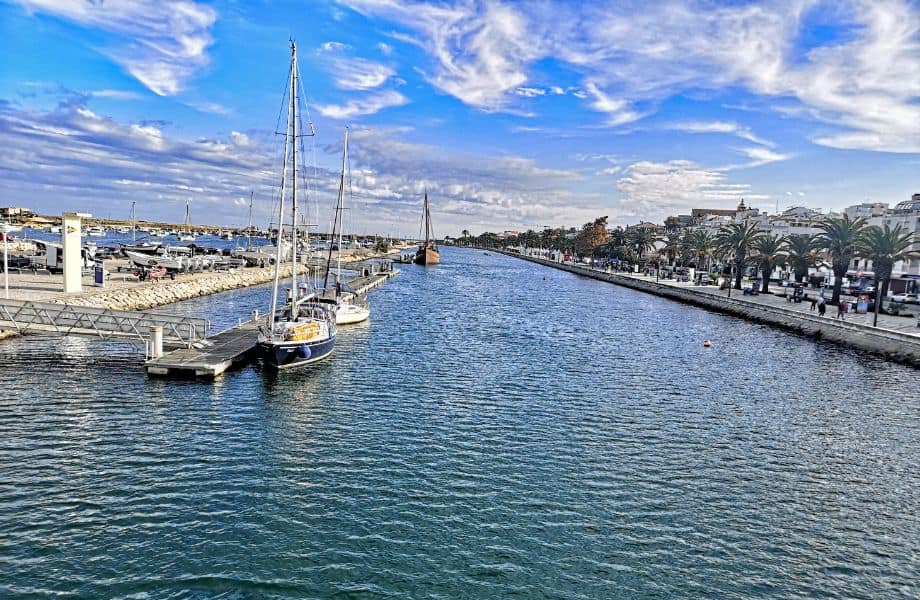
<point>893,345</point>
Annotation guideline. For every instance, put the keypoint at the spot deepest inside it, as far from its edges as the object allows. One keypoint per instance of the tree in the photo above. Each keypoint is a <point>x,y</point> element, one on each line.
<point>701,243</point>
<point>591,236</point>
<point>673,246</point>
<point>841,238</point>
<point>800,251</point>
<point>884,247</point>
<point>767,250</point>
<point>734,242</point>
<point>641,240</point>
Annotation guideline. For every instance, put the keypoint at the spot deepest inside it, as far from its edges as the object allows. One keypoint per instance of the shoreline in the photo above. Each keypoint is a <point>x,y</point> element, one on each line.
<point>893,345</point>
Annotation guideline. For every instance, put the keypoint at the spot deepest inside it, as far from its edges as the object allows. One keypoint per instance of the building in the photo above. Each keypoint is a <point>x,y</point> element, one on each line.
<point>15,212</point>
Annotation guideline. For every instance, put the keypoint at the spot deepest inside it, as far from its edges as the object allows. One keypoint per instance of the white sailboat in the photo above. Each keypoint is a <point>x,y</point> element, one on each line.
<point>348,307</point>
<point>302,331</point>
<point>186,236</point>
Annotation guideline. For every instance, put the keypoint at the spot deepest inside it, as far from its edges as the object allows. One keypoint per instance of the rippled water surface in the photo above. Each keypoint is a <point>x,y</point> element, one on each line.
<point>499,429</point>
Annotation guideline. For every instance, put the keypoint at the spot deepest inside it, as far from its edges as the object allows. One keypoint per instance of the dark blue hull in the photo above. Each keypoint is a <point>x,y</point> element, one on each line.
<point>291,354</point>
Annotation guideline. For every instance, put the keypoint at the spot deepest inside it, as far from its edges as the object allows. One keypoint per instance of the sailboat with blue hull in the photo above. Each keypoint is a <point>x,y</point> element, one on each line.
<point>302,331</point>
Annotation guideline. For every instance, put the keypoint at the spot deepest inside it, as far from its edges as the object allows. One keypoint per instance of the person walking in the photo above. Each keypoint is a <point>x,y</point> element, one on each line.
<point>814,302</point>
<point>822,306</point>
<point>841,309</point>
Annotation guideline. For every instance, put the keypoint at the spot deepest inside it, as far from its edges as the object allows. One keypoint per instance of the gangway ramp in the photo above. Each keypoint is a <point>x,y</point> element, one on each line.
<point>105,323</point>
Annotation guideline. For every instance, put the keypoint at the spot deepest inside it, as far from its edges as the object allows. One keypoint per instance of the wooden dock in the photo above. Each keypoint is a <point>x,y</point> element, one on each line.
<point>216,354</point>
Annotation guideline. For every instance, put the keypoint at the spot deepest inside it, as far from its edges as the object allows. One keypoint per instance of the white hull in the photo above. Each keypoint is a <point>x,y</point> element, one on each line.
<point>349,314</point>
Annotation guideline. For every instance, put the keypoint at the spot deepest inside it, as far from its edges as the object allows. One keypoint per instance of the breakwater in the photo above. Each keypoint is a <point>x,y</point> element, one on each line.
<point>184,287</point>
<point>893,345</point>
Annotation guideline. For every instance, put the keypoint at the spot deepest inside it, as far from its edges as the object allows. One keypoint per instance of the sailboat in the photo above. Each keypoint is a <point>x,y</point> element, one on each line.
<point>348,307</point>
<point>427,253</point>
<point>302,331</point>
<point>187,236</point>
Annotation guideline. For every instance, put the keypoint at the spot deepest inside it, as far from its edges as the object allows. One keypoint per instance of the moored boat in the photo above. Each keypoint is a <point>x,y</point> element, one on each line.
<point>303,330</point>
<point>427,253</point>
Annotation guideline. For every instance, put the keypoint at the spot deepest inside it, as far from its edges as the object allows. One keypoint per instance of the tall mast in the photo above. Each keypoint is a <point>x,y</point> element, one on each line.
<point>284,169</point>
<point>293,174</point>
<point>133,222</point>
<point>249,228</point>
<point>427,221</point>
<point>186,217</point>
<point>338,212</point>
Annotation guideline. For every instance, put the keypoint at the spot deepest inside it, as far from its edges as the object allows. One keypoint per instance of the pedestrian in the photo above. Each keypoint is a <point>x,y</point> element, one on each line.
<point>841,309</point>
<point>822,306</point>
<point>814,302</point>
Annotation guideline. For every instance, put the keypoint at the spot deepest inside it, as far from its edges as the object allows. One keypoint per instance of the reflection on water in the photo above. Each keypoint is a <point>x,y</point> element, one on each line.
<point>497,429</point>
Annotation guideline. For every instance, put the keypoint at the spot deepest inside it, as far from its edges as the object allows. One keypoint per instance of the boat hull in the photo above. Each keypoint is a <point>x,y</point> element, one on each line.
<point>286,355</point>
<point>349,314</point>
<point>427,257</point>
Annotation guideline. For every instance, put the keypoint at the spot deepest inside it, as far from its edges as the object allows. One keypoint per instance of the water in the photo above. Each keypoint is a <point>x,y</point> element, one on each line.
<point>491,433</point>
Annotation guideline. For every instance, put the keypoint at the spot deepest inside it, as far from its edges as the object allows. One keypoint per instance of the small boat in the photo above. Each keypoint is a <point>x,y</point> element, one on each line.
<point>303,330</point>
<point>349,309</point>
<point>95,231</point>
<point>427,253</point>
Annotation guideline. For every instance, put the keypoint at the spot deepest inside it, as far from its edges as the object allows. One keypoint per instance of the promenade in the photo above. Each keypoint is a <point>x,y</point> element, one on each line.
<point>896,337</point>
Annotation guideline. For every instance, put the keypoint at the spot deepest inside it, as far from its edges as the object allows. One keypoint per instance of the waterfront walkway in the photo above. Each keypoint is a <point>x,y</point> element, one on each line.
<point>896,337</point>
<point>900,323</point>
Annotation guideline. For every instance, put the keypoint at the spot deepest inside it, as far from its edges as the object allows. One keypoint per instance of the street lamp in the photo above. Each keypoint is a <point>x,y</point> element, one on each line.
<point>7,228</point>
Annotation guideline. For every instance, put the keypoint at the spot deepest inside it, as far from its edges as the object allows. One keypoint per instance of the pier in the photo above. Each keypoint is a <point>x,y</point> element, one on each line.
<point>231,347</point>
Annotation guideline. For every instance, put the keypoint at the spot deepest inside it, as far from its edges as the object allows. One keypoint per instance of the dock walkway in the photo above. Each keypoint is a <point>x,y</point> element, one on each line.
<point>215,355</point>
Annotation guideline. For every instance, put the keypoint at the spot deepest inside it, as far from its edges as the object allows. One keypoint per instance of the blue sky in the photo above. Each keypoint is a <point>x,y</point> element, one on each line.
<point>512,114</point>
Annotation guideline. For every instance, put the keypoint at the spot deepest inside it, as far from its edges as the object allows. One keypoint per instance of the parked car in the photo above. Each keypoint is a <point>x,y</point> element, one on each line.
<point>906,298</point>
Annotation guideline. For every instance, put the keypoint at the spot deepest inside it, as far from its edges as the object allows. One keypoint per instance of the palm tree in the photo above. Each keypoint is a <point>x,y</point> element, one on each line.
<point>642,240</point>
<point>841,237</point>
<point>885,247</point>
<point>673,246</point>
<point>734,242</point>
<point>800,251</point>
<point>767,250</point>
<point>702,243</point>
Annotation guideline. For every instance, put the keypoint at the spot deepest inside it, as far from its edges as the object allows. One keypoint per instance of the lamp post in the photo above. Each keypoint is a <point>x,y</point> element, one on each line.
<point>7,228</point>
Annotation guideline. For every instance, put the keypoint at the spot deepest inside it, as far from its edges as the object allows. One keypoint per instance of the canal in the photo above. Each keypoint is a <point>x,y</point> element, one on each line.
<point>498,429</point>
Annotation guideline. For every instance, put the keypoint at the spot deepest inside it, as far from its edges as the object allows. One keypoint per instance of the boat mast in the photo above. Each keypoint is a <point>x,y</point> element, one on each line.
<point>287,128</point>
<point>133,223</point>
<point>293,175</point>
<point>249,229</point>
<point>338,210</point>
<point>186,217</point>
<point>427,221</point>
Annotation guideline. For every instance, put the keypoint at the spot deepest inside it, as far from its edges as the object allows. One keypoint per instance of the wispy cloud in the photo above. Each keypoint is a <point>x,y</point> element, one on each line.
<point>654,190</point>
<point>162,44</point>
<point>367,105</point>
<point>360,74</point>
<point>721,127</point>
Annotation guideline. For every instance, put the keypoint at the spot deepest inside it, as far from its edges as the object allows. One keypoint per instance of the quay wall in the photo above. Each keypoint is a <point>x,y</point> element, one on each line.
<point>893,345</point>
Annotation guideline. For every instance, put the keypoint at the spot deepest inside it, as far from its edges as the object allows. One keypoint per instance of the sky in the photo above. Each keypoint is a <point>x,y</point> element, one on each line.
<point>512,115</point>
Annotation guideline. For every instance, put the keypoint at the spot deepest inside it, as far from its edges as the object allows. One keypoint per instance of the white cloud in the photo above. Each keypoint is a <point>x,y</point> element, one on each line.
<point>333,47</point>
<point>360,74</point>
<point>865,82</point>
<point>529,92</point>
<point>556,90</point>
<point>367,105</point>
<point>655,190</point>
<point>720,127</point>
<point>115,94</point>
<point>163,45</point>
<point>481,50</point>
<point>385,48</point>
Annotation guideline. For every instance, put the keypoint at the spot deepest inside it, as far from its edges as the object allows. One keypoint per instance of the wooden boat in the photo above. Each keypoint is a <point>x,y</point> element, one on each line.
<point>302,331</point>
<point>427,253</point>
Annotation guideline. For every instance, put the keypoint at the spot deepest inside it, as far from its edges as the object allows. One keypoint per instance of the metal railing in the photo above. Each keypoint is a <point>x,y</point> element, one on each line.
<point>105,323</point>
